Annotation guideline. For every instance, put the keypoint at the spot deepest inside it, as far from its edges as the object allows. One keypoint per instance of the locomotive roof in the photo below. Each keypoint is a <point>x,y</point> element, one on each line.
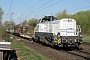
<point>49,18</point>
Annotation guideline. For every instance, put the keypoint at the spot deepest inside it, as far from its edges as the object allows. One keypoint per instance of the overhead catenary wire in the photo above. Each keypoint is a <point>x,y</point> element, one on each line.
<point>31,6</point>
<point>54,4</point>
<point>39,7</point>
<point>44,5</point>
<point>32,12</point>
<point>79,8</point>
<point>50,6</point>
<point>44,8</point>
<point>10,7</point>
<point>73,7</point>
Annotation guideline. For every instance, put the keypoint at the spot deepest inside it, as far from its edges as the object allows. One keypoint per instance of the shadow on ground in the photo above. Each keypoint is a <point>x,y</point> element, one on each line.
<point>9,55</point>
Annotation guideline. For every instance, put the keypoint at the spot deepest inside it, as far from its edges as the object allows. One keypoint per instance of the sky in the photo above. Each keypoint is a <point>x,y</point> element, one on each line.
<point>27,9</point>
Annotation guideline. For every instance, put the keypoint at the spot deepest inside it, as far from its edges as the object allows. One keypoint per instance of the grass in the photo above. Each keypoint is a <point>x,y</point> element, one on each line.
<point>26,53</point>
<point>86,39</point>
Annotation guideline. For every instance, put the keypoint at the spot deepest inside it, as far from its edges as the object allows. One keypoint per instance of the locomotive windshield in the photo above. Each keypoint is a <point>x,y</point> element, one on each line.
<point>49,18</point>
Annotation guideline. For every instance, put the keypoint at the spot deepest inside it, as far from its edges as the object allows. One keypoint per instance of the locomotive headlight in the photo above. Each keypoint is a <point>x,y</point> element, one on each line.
<point>81,35</point>
<point>58,35</point>
<point>75,40</point>
<point>53,33</point>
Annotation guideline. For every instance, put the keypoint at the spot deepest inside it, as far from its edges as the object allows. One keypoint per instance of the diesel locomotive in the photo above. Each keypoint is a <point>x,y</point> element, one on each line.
<point>61,33</point>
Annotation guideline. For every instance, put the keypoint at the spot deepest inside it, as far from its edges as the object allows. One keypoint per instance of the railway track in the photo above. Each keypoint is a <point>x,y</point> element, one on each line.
<point>86,43</point>
<point>80,53</point>
<point>83,51</point>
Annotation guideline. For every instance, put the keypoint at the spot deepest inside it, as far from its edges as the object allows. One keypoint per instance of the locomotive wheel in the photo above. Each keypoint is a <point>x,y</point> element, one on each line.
<point>52,45</point>
<point>37,39</point>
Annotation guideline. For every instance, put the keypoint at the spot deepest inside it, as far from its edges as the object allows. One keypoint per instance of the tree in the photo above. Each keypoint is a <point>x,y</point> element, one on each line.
<point>83,19</point>
<point>32,22</point>
<point>6,23</point>
<point>1,13</point>
<point>3,32</point>
<point>63,14</point>
<point>25,21</point>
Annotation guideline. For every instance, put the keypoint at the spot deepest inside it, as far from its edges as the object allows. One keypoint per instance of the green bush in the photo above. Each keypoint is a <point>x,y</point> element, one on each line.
<point>86,39</point>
